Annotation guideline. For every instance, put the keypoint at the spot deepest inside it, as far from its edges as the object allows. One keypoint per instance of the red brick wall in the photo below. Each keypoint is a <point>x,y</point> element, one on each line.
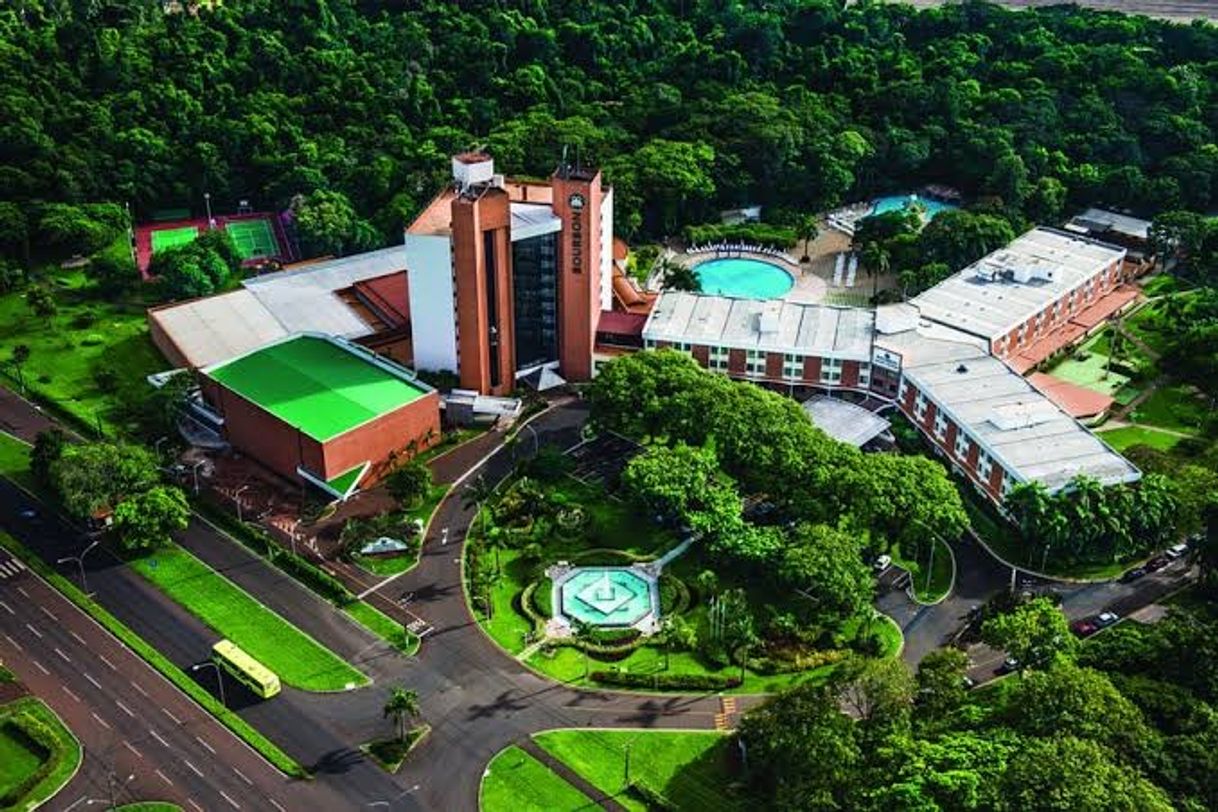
<point>850,373</point>
<point>911,393</point>
<point>773,365</point>
<point>994,485</point>
<point>702,354</point>
<point>735,362</point>
<point>973,453</point>
<point>811,368</point>
<point>375,440</point>
<point>259,434</point>
<point>928,416</point>
<point>949,438</point>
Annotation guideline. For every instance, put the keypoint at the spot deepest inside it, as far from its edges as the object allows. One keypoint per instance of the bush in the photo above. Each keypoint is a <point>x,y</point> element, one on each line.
<point>674,595</point>
<point>762,234</point>
<point>674,682</point>
<point>29,730</point>
<point>543,595</point>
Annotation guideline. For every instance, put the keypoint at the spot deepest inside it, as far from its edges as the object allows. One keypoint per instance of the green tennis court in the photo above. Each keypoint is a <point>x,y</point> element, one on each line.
<point>316,386</point>
<point>253,238</point>
<point>173,237</point>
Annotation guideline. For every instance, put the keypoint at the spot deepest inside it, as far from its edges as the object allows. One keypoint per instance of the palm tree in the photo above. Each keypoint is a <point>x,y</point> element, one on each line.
<point>401,705</point>
<point>1116,346</point>
<point>583,632</point>
<point>807,230</point>
<point>476,495</point>
<point>21,354</point>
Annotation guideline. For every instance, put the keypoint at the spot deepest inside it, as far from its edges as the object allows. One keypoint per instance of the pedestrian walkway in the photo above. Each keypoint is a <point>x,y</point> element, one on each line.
<point>571,777</point>
<point>11,568</point>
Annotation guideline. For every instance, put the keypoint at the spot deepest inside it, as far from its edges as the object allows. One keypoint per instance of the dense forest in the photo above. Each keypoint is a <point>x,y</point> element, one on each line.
<point>690,105</point>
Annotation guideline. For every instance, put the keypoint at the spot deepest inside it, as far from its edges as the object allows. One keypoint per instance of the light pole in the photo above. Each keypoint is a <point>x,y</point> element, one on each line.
<point>211,223</point>
<point>237,499</point>
<point>292,534</point>
<point>80,562</point>
<point>194,469</point>
<point>533,432</point>
<point>219,677</point>
<point>157,446</point>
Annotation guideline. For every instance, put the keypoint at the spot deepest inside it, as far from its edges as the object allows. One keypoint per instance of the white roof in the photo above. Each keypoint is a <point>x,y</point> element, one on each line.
<point>209,330</point>
<point>1103,220</point>
<point>772,325</point>
<point>1004,289</point>
<point>844,421</point>
<point>533,220</point>
<point>303,299</point>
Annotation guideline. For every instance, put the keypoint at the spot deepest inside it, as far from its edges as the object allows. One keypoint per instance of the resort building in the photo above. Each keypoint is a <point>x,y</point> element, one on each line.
<point>321,409</point>
<point>508,277</point>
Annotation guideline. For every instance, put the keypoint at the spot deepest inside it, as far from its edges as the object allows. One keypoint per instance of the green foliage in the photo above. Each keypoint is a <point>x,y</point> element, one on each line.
<point>409,483</point>
<point>1033,633</point>
<point>940,681</point>
<point>41,302</point>
<point>327,224</point>
<point>48,447</point>
<point>763,234</point>
<point>148,520</point>
<point>190,271</point>
<point>80,229</point>
<point>113,269</point>
<point>401,706</point>
<point>1064,773</point>
<point>661,681</point>
<point>90,477</point>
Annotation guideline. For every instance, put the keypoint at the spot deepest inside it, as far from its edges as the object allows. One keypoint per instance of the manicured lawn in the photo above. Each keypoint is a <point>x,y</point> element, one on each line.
<point>1092,372</point>
<point>1127,436</point>
<point>690,769</point>
<point>516,782</point>
<point>55,758</point>
<point>383,626</point>
<point>68,349</point>
<point>15,461</point>
<point>299,660</point>
<point>940,580</point>
<point>1176,408</point>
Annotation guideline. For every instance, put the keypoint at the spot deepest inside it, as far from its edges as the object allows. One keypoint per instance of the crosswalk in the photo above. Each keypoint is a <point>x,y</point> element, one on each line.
<point>10,568</point>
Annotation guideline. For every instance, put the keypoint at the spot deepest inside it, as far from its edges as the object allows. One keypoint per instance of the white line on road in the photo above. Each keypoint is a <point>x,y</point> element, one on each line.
<point>157,736</point>
<point>109,664</point>
<point>33,630</point>
<point>193,768</point>
<point>100,720</point>
<point>277,805</point>
<point>76,803</point>
<point>16,645</point>
<point>41,667</point>
<point>224,795</point>
<point>48,613</point>
<point>192,802</point>
<point>23,592</point>
<point>96,684</point>
<point>130,747</point>
<point>70,693</point>
<point>206,746</point>
<point>66,658</point>
<point>137,687</point>
<point>162,775</point>
<point>124,708</point>
<point>175,719</point>
<point>241,775</point>
<point>78,638</point>
<point>7,608</point>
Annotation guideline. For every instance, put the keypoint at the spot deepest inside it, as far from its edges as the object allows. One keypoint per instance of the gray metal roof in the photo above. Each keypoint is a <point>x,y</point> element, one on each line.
<point>209,330</point>
<point>1004,289</point>
<point>1101,220</point>
<point>844,421</point>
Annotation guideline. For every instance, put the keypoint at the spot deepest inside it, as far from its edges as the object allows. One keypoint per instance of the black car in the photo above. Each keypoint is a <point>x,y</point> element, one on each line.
<point>1157,563</point>
<point>1132,575</point>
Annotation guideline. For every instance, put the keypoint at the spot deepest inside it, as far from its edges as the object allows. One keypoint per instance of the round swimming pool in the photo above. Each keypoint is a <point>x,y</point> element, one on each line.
<point>743,278</point>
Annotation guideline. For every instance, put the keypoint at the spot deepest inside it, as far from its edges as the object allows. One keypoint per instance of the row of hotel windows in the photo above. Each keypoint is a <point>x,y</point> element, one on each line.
<point>792,364</point>
<point>985,465</point>
<point>1085,292</point>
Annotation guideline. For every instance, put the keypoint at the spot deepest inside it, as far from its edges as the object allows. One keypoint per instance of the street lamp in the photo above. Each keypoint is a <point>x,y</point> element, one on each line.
<point>211,223</point>
<point>80,562</point>
<point>194,469</point>
<point>219,677</point>
<point>157,446</point>
<point>237,499</point>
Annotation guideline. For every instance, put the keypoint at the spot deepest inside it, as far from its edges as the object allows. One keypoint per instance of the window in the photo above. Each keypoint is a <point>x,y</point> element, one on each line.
<point>864,375</point>
<point>940,426</point>
<point>962,444</point>
<point>984,465</point>
<point>831,371</point>
<point>792,366</point>
<point>1008,484</point>
<point>754,362</point>
<point>920,406</point>
<point>902,390</point>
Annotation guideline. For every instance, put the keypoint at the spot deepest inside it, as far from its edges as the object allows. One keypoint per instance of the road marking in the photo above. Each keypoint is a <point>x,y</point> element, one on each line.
<point>206,746</point>
<point>224,795</point>
<point>129,746</point>
<point>23,592</point>
<point>41,667</point>
<point>48,613</point>
<point>100,720</point>
<point>164,777</point>
<point>241,775</point>
<point>191,801</point>
<point>96,684</point>
<point>175,719</point>
<point>66,658</point>
<point>7,608</point>
<point>70,693</point>
<point>109,664</point>
<point>193,768</point>
<point>78,638</point>
<point>16,645</point>
<point>137,687</point>
<point>277,805</point>
<point>77,803</point>
<point>157,736</point>
<point>35,631</point>
<point>124,708</point>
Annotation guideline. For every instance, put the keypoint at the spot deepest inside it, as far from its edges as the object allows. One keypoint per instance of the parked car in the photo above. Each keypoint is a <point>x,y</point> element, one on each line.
<point>1176,550</point>
<point>1157,563</point>
<point>1106,619</point>
<point>28,514</point>
<point>1084,628</point>
<point>1132,575</point>
<point>882,563</point>
<point>1009,665</point>
<point>969,682</point>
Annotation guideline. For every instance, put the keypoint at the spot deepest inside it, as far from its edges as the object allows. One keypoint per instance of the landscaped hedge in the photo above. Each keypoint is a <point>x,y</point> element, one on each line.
<point>25,726</point>
<point>524,602</point>
<point>671,682</point>
<point>543,597</point>
<point>801,662</point>
<point>674,595</point>
<point>750,233</point>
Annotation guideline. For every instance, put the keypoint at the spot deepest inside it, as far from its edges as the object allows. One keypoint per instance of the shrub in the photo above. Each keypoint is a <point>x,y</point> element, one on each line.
<point>674,595</point>
<point>678,682</point>
<point>762,234</point>
<point>543,593</point>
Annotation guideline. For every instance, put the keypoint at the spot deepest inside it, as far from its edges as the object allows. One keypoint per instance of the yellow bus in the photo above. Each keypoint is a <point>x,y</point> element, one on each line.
<point>245,669</point>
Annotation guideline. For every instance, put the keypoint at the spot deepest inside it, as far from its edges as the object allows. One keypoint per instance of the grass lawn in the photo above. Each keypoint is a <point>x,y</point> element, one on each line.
<point>54,760</point>
<point>940,581</point>
<point>1127,436</point>
<point>393,565</point>
<point>299,660</point>
<point>1176,408</point>
<point>690,769</point>
<point>390,753</point>
<point>68,349</point>
<point>383,626</point>
<point>1090,373</point>
<point>15,461</point>
<point>514,781</point>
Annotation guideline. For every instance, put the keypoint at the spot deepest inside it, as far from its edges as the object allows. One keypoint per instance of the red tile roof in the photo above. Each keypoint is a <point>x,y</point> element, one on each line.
<point>622,324</point>
<point>1077,401</point>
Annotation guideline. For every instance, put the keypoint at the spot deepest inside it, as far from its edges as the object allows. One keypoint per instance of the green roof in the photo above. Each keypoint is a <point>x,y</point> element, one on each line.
<point>344,482</point>
<point>316,386</point>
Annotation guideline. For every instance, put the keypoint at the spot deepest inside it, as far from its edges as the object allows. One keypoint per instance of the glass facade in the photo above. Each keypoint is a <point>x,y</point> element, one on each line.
<point>535,294</point>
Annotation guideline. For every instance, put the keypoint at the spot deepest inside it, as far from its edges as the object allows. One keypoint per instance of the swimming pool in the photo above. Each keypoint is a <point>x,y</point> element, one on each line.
<point>743,278</point>
<point>932,207</point>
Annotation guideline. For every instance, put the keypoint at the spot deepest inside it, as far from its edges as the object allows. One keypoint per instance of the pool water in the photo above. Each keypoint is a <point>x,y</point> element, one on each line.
<point>932,207</point>
<point>743,278</point>
<point>606,597</point>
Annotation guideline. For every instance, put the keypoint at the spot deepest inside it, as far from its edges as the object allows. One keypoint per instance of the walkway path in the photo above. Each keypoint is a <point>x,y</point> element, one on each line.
<point>570,776</point>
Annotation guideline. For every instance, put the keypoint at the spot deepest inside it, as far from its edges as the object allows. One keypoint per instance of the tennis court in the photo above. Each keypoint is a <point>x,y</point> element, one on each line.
<point>253,238</point>
<point>173,237</point>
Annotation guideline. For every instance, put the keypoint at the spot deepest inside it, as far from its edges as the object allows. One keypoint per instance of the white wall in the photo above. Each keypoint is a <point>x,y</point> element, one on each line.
<point>433,322</point>
<point>607,250</point>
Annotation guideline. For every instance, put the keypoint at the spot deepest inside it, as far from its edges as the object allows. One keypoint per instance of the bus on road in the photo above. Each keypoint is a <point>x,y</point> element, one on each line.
<point>245,669</point>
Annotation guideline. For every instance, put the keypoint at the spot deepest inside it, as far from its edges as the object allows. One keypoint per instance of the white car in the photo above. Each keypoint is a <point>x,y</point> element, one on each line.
<point>1177,550</point>
<point>1104,619</point>
<point>882,563</point>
